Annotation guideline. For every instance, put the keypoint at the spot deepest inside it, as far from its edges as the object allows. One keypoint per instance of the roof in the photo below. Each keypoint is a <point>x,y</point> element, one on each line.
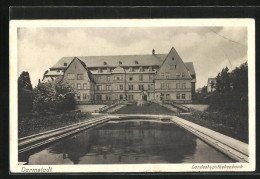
<point>190,67</point>
<point>54,73</point>
<point>113,61</point>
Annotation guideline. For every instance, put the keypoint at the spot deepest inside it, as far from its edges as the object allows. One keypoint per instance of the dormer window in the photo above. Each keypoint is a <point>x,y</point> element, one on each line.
<point>108,70</point>
<point>172,58</point>
<point>105,63</point>
<point>141,69</point>
<point>99,70</point>
<point>131,69</point>
<point>65,64</point>
<point>150,69</point>
<point>120,63</point>
<point>136,62</point>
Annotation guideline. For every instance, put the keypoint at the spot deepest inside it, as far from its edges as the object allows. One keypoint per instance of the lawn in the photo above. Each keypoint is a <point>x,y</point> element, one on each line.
<point>231,125</point>
<point>152,108</point>
<point>29,125</point>
<point>89,108</point>
<point>198,107</point>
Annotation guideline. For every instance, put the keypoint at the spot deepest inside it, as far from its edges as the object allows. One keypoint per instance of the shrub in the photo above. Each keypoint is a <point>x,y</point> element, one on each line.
<point>54,97</point>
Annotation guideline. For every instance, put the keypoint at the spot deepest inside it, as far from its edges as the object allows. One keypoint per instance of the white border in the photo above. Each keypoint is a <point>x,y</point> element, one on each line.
<point>13,121</point>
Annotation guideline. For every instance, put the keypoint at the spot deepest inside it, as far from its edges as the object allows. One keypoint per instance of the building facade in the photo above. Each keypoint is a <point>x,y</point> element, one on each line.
<point>106,79</point>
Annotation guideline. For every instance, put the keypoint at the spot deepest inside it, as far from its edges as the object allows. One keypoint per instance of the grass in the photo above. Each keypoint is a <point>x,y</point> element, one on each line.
<point>152,108</point>
<point>29,125</point>
<point>231,125</point>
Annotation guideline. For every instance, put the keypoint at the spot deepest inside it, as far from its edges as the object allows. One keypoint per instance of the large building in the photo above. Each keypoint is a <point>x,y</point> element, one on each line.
<point>106,79</point>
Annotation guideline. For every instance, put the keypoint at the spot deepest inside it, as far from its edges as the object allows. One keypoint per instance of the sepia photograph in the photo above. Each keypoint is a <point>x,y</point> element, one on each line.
<point>161,95</point>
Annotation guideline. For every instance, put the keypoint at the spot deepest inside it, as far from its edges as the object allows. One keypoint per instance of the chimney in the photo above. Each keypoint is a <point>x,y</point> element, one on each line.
<point>153,52</point>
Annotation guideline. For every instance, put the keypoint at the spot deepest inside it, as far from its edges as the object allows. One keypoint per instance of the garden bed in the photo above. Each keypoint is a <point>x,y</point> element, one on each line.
<point>231,125</point>
<point>32,124</point>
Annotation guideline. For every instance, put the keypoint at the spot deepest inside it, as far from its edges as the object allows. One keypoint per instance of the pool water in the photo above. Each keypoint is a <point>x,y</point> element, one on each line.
<point>129,142</point>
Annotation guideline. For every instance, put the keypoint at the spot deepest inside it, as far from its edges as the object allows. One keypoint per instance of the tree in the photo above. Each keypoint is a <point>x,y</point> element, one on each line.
<point>25,93</point>
<point>57,96</point>
<point>232,91</point>
<point>204,90</point>
<point>24,81</point>
<point>223,81</point>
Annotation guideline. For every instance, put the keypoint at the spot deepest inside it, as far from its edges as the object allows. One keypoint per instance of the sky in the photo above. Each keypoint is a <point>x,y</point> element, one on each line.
<point>209,48</point>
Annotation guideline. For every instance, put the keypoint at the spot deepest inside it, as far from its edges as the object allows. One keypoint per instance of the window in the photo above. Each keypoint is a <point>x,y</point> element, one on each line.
<point>107,97</point>
<point>99,97</point>
<point>140,77</point>
<point>130,97</point>
<point>167,76</point>
<point>183,96</point>
<point>84,96</point>
<point>80,76</point>
<point>105,63</point>
<point>121,87</point>
<point>99,70</point>
<point>175,66</point>
<point>167,85</point>
<point>162,85</point>
<point>136,62</point>
<point>130,78</point>
<point>162,75</point>
<point>65,64</point>
<point>131,69</point>
<point>177,96</point>
<point>71,76</point>
<point>118,78</point>
<point>172,58</point>
<point>150,68</point>
<point>183,85</point>
<point>141,69</point>
<point>183,75</point>
<point>72,85</point>
<point>120,63</point>
<point>150,77</point>
<point>167,96</point>
<point>131,87</point>
<point>78,86</point>
<point>78,96</point>
<point>99,78</point>
<point>178,85</point>
<point>108,87</point>
<point>108,78</point>
<point>84,85</point>
<point>108,70</point>
<point>99,87</point>
<point>141,87</point>
<point>178,75</point>
<point>150,86</point>
<point>121,97</point>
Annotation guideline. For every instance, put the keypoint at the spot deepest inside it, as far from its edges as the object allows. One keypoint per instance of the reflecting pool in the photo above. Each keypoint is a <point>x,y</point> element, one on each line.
<point>129,142</point>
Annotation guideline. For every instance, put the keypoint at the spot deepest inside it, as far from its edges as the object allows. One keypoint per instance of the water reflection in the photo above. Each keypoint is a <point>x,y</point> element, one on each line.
<point>129,142</point>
